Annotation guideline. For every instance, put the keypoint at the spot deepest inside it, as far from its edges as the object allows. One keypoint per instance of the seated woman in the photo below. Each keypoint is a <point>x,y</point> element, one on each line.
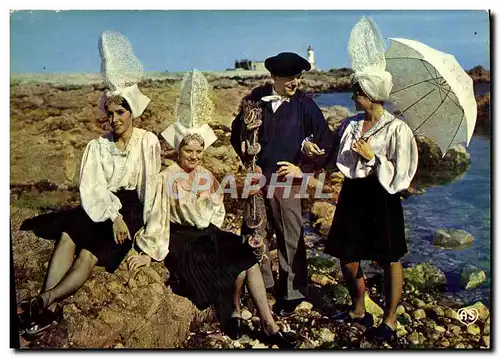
<point>208,263</point>
<point>117,181</point>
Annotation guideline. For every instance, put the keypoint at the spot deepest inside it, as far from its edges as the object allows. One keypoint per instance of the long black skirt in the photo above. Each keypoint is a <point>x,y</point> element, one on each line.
<point>204,264</point>
<point>97,237</point>
<point>368,223</point>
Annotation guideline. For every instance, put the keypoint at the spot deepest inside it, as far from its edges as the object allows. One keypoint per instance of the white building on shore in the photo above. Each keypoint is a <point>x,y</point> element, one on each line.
<point>310,58</point>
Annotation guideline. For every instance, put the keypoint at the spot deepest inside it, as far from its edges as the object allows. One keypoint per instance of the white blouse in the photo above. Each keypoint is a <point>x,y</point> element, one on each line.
<point>105,170</point>
<point>395,149</point>
<point>176,201</point>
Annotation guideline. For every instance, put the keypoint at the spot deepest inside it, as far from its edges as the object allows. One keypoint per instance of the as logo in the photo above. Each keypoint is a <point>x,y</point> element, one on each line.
<point>468,315</point>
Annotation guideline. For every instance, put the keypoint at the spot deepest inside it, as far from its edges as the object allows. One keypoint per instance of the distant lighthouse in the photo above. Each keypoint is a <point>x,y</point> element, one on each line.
<point>310,57</point>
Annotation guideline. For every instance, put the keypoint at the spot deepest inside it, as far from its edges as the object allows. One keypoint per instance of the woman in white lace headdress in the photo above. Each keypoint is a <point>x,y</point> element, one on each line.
<point>208,265</point>
<point>378,157</point>
<point>117,181</point>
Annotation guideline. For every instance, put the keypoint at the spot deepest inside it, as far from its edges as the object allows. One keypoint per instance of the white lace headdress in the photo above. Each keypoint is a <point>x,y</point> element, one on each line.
<point>121,71</point>
<point>194,109</point>
<point>366,51</point>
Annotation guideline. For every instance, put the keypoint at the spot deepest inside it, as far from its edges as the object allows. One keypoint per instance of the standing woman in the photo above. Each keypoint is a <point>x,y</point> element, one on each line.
<point>117,182</point>
<point>378,157</point>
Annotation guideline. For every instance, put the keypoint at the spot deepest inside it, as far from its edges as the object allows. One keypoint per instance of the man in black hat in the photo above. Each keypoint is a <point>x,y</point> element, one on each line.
<point>288,118</point>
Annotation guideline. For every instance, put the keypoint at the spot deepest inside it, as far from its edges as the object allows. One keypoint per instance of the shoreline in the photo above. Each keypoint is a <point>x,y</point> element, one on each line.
<point>478,74</point>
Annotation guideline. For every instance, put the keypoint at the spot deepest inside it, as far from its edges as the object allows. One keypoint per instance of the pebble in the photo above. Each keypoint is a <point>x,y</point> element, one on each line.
<point>325,335</point>
<point>401,332</point>
<point>246,315</point>
<point>417,302</point>
<point>444,343</point>
<point>321,280</point>
<point>454,329</point>
<point>400,310</point>
<point>486,341</point>
<point>419,314</point>
<point>431,324</point>
<point>304,306</point>
<point>438,311</point>
<point>473,329</point>
<point>259,346</point>
<point>413,338</point>
<point>440,329</point>
<point>451,313</point>
<point>476,338</point>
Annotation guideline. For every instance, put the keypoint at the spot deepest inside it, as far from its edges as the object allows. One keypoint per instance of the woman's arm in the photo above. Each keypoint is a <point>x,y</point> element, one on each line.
<point>151,166</point>
<point>153,238</point>
<point>98,201</point>
<point>396,170</point>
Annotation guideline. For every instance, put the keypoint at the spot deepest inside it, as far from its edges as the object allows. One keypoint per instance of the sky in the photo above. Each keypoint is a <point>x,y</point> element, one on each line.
<point>176,40</point>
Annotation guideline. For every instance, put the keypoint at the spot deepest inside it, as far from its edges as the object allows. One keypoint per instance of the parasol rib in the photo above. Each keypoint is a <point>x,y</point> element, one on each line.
<point>456,132</point>
<point>421,98</point>
<point>440,104</point>
<point>429,80</point>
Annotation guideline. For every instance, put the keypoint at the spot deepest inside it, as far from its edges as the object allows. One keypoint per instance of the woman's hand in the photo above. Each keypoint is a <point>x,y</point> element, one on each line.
<point>288,169</point>
<point>136,261</point>
<point>120,230</point>
<point>363,148</point>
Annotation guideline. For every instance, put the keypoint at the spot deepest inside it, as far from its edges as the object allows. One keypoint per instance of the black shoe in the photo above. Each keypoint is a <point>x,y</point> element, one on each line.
<point>46,320</point>
<point>31,311</point>
<point>382,333</point>
<point>284,340</point>
<point>344,316</point>
<point>233,328</point>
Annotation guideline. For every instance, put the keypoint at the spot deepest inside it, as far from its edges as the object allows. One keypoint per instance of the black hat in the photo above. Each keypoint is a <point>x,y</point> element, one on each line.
<point>287,64</point>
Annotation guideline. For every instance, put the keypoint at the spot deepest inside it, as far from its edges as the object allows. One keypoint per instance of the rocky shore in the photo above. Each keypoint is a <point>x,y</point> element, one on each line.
<point>425,320</point>
<point>50,126</point>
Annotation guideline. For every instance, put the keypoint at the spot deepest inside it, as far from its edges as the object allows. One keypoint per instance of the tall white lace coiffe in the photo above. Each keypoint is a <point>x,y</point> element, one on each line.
<point>122,71</point>
<point>366,52</point>
<point>193,111</point>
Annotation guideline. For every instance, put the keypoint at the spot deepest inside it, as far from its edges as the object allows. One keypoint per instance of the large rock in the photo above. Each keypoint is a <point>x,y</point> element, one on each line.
<point>335,115</point>
<point>483,122</point>
<point>433,168</point>
<point>325,335</point>
<point>372,307</point>
<point>472,277</point>
<point>321,216</point>
<point>424,276</point>
<point>321,280</point>
<point>483,311</point>
<point>340,294</point>
<point>486,328</point>
<point>134,310</point>
<point>479,75</point>
<point>452,237</point>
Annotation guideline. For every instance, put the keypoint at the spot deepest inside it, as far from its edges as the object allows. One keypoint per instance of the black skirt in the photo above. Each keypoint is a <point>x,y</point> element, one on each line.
<point>368,223</point>
<point>97,237</point>
<point>204,264</point>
